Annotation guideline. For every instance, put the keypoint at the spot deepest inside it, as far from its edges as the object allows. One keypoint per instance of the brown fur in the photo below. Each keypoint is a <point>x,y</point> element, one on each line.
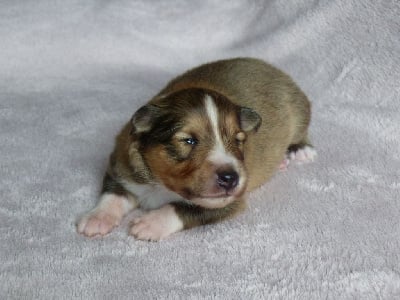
<point>142,154</point>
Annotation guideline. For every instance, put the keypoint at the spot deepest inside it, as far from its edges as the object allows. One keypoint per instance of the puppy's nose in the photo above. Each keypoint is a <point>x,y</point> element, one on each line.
<point>228,179</point>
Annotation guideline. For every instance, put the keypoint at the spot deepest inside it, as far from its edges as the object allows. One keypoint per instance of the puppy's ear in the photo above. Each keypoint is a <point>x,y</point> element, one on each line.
<point>249,119</point>
<point>143,118</point>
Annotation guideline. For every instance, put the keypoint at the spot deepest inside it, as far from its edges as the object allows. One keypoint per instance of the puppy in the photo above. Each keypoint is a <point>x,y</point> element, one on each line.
<point>189,156</point>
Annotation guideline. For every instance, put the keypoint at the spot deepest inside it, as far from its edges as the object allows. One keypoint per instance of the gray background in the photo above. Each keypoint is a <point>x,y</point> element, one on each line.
<point>71,74</point>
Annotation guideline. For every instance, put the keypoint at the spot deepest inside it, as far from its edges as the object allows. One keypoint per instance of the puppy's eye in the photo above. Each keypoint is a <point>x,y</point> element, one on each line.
<point>191,141</point>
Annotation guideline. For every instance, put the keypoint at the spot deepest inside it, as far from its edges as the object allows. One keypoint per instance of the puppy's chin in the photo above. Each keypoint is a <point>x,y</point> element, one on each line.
<point>213,202</point>
<point>212,198</point>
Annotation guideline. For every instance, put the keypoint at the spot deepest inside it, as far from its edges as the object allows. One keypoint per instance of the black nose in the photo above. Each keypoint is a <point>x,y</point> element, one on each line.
<point>228,179</point>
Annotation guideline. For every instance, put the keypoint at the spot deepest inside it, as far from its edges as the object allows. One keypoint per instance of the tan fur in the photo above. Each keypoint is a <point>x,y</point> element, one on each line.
<point>284,108</point>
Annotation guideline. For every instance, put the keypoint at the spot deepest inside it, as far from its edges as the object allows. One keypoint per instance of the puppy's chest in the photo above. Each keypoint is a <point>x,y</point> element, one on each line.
<point>150,196</point>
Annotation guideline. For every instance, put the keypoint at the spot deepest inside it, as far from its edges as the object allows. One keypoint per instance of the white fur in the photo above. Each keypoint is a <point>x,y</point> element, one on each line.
<point>107,214</point>
<point>150,196</point>
<point>157,224</point>
<point>218,154</point>
<point>111,208</point>
<point>212,113</point>
<point>304,155</point>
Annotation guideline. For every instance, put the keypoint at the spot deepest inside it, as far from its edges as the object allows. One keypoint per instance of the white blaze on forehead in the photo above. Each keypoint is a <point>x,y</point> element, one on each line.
<point>218,154</point>
<point>212,113</point>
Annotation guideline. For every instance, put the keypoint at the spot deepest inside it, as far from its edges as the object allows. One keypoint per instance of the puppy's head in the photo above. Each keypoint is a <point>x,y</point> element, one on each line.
<point>193,141</point>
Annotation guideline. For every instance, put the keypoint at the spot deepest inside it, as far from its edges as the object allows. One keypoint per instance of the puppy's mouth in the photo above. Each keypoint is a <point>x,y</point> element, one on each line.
<point>190,195</point>
<point>218,195</point>
<point>215,200</point>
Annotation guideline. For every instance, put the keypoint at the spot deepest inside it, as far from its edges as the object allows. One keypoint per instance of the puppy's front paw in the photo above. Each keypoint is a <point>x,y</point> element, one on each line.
<point>97,223</point>
<point>157,224</point>
<point>108,213</point>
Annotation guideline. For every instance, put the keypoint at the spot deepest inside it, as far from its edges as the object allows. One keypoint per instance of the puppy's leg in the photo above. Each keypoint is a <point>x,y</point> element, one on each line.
<point>160,223</point>
<point>302,152</point>
<point>113,205</point>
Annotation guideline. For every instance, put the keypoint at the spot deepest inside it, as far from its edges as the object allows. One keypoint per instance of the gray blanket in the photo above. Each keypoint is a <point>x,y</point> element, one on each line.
<point>72,72</point>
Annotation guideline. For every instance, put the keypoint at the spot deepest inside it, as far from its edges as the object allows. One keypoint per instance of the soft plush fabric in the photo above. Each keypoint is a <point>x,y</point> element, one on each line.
<point>73,72</point>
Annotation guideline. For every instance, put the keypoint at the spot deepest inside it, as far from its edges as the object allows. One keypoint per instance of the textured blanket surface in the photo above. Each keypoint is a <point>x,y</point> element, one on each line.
<point>73,72</point>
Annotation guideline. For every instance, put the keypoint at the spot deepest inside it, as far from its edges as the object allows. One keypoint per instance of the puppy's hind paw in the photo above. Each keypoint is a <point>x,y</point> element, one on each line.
<point>302,155</point>
<point>284,164</point>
